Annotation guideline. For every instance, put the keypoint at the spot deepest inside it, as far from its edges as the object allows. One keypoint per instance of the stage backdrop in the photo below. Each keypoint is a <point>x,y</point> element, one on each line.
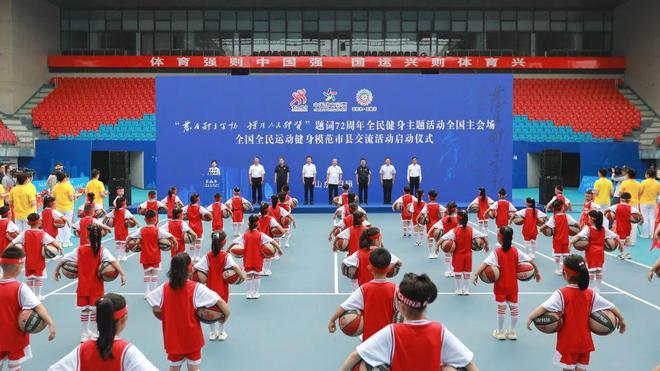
<point>458,126</point>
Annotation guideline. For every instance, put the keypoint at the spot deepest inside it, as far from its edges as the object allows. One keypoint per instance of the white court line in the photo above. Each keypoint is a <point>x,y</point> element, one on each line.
<point>335,294</point>
<point>629,260</point>
<point>604,283</point>
<point>336,273</point>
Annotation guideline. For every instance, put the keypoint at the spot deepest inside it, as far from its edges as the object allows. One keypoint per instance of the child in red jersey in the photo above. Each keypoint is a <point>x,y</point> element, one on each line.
<point>90,287</point>
<point>285,217</point>
<point>415,209</point>
<point>48,216</point>
<point>97,209</point>
<point>33,241</point>
<point>621,213</point>
<point>238,206</point>
<point>253,260</point>
<point>376,298</point>
<point>447,223</point>
<point>481,204</point>
<point>506,258</point>
<point>342,199</point>
<point>559,195</point>
<point>370,240</point>
<point>178,300</point>
<point>559,222</point>
<point>530,231</point>
<point>108,352</point>
<point>433,212</point>
<point>575,302</point>
<point>352,234</point>
<point>266,224</point>
<point>121,215</point>
<point>214,264</point>
<point>14,298</point>
<point>343,210</point>
<point>151,203</point>
<point>8,230</point>
<point>402,203</point>
<point>218,211</point>
<point>195,214</point>
<point>172,201</point>
<point>462,255</point>
<point>346,221</point>
<point>596,234</point>
<point>150,251</point>
<point>416,344</point>
<point>177,227</point>
<point>502,209</point>
<point>656,231</point>
<point>79,228</point>
<point>588,205</point>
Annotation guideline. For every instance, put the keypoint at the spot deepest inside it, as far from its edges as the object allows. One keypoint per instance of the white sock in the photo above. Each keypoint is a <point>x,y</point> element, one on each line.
<point>558,262</point>
<point>213,327</point>
<point>92,321</point>
<point>515,312</point>
<point>532,245</point>
<point>501,309</point>
<point>448,265</point>
<point>38,284</point>
<point>250,285</point>
<point>84,322</point>
<point>598,280</point>
<point>466,281</point>
<point>431,246</point>
<point>154,280</point>
<point>267,263</point>
<point>221,327</point>
<point>257,284</point>
<point>458,278</point>
<point>147,282</point>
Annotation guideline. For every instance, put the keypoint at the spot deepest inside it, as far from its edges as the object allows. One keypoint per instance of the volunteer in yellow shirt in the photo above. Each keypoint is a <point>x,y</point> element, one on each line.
<point>3,195</point>
<point>96,187</point>
<point>603,190</point>
<point>64,198</point>
<point>23,197</point>
<point>648,198</point>
<point>630,185</point>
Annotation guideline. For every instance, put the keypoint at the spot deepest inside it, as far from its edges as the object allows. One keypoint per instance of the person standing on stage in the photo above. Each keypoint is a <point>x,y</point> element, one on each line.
<point>256,174</point>
<point>333,179</point>
<point>414,175</point>
<point>363,179</point>
<point>309,180</point>
<point>387,175</point>
<point>281,174</point>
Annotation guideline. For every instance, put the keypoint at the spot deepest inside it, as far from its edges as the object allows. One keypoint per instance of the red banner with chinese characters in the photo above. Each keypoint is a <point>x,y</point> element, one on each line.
<point>193,62</point>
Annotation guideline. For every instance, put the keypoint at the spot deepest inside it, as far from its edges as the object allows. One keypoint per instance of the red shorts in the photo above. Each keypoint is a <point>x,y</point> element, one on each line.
<point>560,248</point>
<point>462,262</point>
<point>253,269</point>
<point>34,272</point>
<point>192,358</point>
<point>572,360</point>
<point>237,217</point>
<point>12,355</point>
<point>86,301</point>
<point>151,266</point>
<point>595,261</point>
<point>501,297</point>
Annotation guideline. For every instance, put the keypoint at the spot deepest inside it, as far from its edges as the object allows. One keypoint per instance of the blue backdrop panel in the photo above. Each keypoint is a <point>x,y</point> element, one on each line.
<point>457,126</point>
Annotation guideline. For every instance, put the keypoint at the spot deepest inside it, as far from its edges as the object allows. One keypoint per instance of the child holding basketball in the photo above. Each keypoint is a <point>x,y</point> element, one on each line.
<point>398,345</point>
<point>194,212</point>
<point>462,235</point>
<point>121,216</point>
<point>575,302</point>
<point>447,223</point>
<point>621,213</point>
<point>375,298</point>
<point>253,260</point>
<point>588,205</point>
<point>506,258</point>
<point>238,206</point>
<point>177,228</point>
<point>172,201</point>
<point>370,240</point>
<point>352,234</point>
<point>119,191</point>
<point>596,234</point>
<point>285,217</point>
<point>415,208</point>
<point>433,213</point>
<point>347,221</point>
<point>214,264</point>
<point>89,259</point>
<point>530,231</point>
<point>266,225</point>
<point>481,204</point>
<point>178,300</point>
<point>108,352</point>
<point>48,216</point>
<point>558,223</point>
<point>80,227</point>
<point>15,298</point>
<point>218,210</point>
<point>151,204</point>
<point>7,228</point>
<point>559,195</point>
<point>402,203</point>
<point>502,209</point>
<point>97,208</point>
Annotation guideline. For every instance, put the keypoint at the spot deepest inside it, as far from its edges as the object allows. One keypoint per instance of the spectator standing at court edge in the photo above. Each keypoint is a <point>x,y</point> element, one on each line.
<point>363,179</point>
<point>256,174</point>
<point>23,198</point>
<point>8,180</point>
<point>616,181</point>
<point>52,178</point>
<point>281,174</point>
<point>632,186</point>
<point>333,179</point>
<point>414,175</point>
<point>65,196</point>
<point>309,180</point>
<point>96,187</point>
<point>603,190</point>
<point>387,177</point>
<point>648,199</point>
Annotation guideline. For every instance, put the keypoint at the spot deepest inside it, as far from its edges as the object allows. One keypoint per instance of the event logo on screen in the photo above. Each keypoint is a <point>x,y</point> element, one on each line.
<point>364,97</point>
<point>330,103</point>
<point>299,102</point>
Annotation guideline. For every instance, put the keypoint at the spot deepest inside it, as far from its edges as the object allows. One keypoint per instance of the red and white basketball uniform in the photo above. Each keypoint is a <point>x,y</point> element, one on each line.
<point>252,257</point>
<point>178,317</point>
<point>352,234</point>
<point>343,211</point>
<point>506,287</point>
<point>503,208</point>
<point>213,267</point>
<point>152,205</point>
<point>560,222</point>
<point>48,216</point>
<point>171,204</point>
<point>125,357</point>
<point>574,342</point>
<point>14,343</point>
<point>415,345</point>
<point>97,207</point>
<point>530,230</point>
<point>462,255</point>
<point>562,198</point>
<point>415,208</point>
<point>448,222</point>
<point>90,286</point>
<point>377,301</point>
<point>6,226</point>
<point>406,215</point>
<point>33,241</point>
<point>121,230</point>
<point>194,213</point>
<point>622,226</point>
<point>216,209</point>
<point>434,212</point>
<point>595,251</point>
<point>267,222</point>
<point>235,204</point>
<point>360,260</point>
<point>177,228</point>
<point>584,214</point>
<point>347,222</point>
<point>80,227</point>
<point>150,253</point>
<point>482,206</point>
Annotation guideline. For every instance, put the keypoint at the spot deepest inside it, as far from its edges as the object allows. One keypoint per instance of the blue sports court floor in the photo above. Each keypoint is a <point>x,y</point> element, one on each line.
<point>287,328</point>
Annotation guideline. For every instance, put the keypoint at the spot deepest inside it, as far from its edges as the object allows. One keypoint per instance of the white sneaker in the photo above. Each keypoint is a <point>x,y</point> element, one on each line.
<point>499,334</point>
<point>511,335</point>
<point>256,295</point>
<point>627,255</point>
<point>267,273</point>
<point>558,272</point>
<point>458,292</point>
<point>286,244</point>
<point>84,337</point>
<point>249,296</point>
<point>222,336</point>
<point>449,274</point>
<point>431,256</point>
<point>466,292</point>
<point>213,335</point>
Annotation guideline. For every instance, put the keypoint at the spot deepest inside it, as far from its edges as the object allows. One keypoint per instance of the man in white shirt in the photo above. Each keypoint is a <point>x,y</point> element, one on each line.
<point>333,179</point>
<point>309,180</point>
<point>414,175</point>
<point>256,174</point>
<point>387,175</point>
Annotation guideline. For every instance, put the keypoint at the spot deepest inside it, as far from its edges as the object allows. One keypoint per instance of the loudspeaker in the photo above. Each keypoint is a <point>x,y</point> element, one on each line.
<point>119,165</point>
<point>112,189</point>
<point>547,188</point>
<point>551,163</point>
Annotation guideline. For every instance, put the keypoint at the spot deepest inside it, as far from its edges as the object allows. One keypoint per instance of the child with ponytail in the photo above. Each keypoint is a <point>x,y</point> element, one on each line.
<point>575,302</point>
<point>415,208</point>
<point>370,240</point>
<point>194,213</point>
<point>506,258</point>
<point>120,214</point>
<point>559,222</point>
<point>266,224</point>
<point>108,352</point>
<point>214,264</point>
<point>481,204</point>
<point>398,345</point>
<point>217,209</point>
<point>353,233</point>
<point>89,258</point>
<point>403,203</point>
<point>447,223</point>
<point>596,234</point>
<point>48,216</point>
<point>177,227</point>
<point>97,208</point>
<point>284,211</point>
<point>237,205</point>
<point>530,230</point>
<point>433,212</point>
<point>172,201</point>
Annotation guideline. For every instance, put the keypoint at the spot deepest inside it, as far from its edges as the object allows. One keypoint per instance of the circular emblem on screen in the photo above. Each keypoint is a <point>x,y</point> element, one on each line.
<point>364,97</point>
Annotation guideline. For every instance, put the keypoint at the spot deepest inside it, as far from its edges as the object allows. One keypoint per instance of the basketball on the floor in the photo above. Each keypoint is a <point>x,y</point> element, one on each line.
<point>189,237</point>
<point>59,222</point>
<point>30,321</point>
<point>636,218</point>
<point>351,323</point>
<point>237,250</point>
<point>49,251</point>
<point>525,271</point>
<point>581,244</point>
<point>107,272</point>
<point>268,250</point>
<point>611,244</point>
<point>340,244</point>
<point>209,314</point>
<point>349,271</point>
<point>479,243</point>
<point>165,244</point>
<point>447,246</point>
<point>199,276</point>
<point>231,277</point>
<point>276,232</point>
<point>70,270</point>
<point>490,274</point>
<point>548,322</point>
<point>133,244</point>
<point>547,231</point>
<point>603,322</point>
<point>363,366</point>
<point>517,220</point>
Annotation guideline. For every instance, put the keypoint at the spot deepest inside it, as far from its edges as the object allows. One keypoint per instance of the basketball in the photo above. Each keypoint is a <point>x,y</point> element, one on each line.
<point>473,208</point>
<point>268,250</point>
<point>490,274</point>
<point>133,244</point>
<point>107,272</point>
<point>237,251</point>
<point>394,270</point>
<point>610,215</point>
<point>603,322</point>
<point>162,210</point>
<point>130,222</point>
<point>12,235</point>
<point>340,244</point>
<point>436,233</point>
<point>517,220</point>
<point>226,213</point>
<point>541,220</point>
<point>636,218</point>
<point>336,201</point>
<point>491,213</point>
<point>363,366</point>
<point>294,203</point>
<point>49,251</point>
<point>612,244</point>
<point>165,244</point>
<point>207,217</point>
<point>548,322</point>
<point>210,314</point>
<point>247,205</point>
<point>349,271</point>
<point>285,221</point>
<point>231,277</point>
<point>547,231</point>
<point>573,229</point>
<point>158,313</point>
<point>109,221</point>
<point>447,246</point>
<point>351,323</point>
<point>199,276</point>
<point>31,322</point>
<point>70,270</point>
<point>581,244</point>
<point>422,219</point>
<point>99,214</point>
<point>141,211</point>
<point>397,206</point>
<point>525,271</point>
<point>479,243</point>
<point>276,232</point>
<point>59,222</point>
<point>189,236</point>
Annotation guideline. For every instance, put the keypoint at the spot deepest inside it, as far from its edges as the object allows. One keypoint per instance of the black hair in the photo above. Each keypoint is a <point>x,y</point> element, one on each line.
<point>308,156</point>
<point>95,236</point>
<point>482,194</point>
<point>33,217</point>
<point>281,196</point>
<point>631,173</point>
<point>502,192</point>
<point>285,188</point>
<point>274,200</point>
<point>358,218</point>
<point>170,193</point>
<point>345,186</point>
<point>90,197</point>
<point>602,172</point>
<point>462,218</point>
<point>194,198</point>
<point>351,197</point>
<point>380,258</point>
<point>406,189</point>
<point>558,205</point>
<point>88,209</point>
<point>176,213</point>
<point>21,178</point>
<point>419,288</point>
<point>13,253</point>
<point>106,324</point>
<point>451,206</point>
<point>532,202</point>
<point>353,206</point>
<point>95,173</point>
<point>507,237</point>
<point>560,188</point>
<point>433,194</point>
<point>363,159</point>
<point>48,201</point>
<point>598,219</point>
<point>119,187</point>
<point>413,158</point>
<point>237,189</point>
<point>364,237</point>
<point>419,194</point>
<point>263,208</point>
<point>388,158</point>
<point>178,273</point>
<point>217,239</point>
<point>576,263</point>
<point>61,176</point>
<point>4,210</point>
<point>150,214</point>
<point>650,173</point>
<point>121,201</point>
<point>253,222</point>
<point>212,161</point>
<point>151,193</point>
<point>625,196</point>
